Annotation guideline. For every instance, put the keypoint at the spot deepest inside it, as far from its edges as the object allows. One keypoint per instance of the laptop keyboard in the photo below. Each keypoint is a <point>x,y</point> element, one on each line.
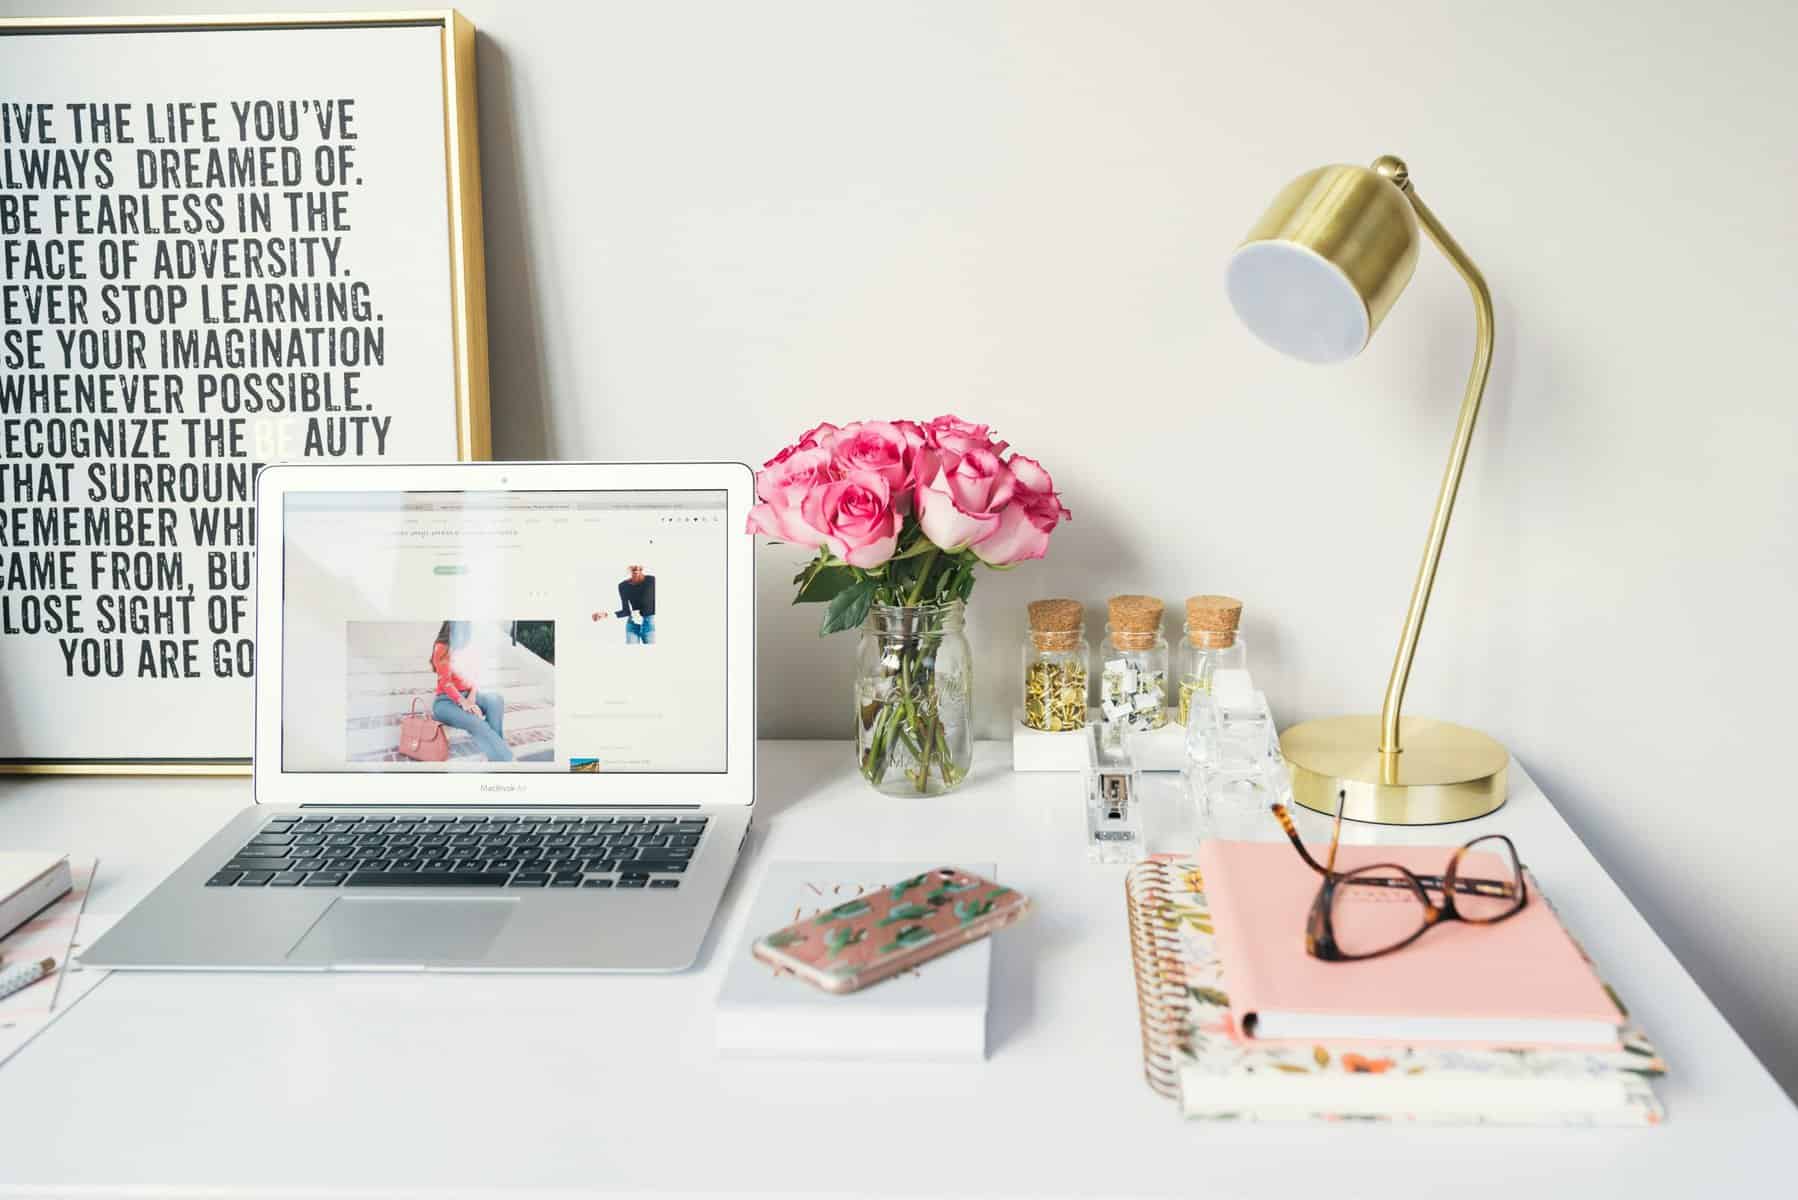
<point>462,851</point>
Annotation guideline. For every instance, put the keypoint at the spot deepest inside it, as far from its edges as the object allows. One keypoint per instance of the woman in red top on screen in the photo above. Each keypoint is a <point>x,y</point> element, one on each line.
<point>478,712</point>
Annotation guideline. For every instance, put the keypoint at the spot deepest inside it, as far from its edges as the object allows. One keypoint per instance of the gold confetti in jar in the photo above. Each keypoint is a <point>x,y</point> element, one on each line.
<point>1055,655</point>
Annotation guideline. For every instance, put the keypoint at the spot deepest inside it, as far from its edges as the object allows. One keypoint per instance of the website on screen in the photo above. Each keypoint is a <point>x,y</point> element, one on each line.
<point>504,631</point>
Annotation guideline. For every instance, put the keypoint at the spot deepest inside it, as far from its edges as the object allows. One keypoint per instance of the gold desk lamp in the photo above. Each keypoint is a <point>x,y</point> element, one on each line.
<point>1313,279</point>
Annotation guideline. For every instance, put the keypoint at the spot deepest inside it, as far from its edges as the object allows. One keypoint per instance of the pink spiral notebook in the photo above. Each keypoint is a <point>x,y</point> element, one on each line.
<point>1520,982</point>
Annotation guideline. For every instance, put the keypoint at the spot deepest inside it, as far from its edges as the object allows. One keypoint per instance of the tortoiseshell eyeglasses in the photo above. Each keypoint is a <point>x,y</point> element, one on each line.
<point>1382,907</point>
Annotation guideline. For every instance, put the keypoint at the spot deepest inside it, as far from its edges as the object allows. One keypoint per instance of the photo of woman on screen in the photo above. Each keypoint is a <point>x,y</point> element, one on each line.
<point>478,712</point>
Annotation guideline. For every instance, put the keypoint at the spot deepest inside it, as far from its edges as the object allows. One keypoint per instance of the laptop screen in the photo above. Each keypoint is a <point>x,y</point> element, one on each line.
<point>504,631</point>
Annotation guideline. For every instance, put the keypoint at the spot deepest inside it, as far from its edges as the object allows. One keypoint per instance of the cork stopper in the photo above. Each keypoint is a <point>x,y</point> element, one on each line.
<point>1056,624</point>
<point>1135,621</point>
<point>1211,620</point>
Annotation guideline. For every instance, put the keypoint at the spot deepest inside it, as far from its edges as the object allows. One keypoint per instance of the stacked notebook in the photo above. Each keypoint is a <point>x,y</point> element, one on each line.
<point>1504,1024</point>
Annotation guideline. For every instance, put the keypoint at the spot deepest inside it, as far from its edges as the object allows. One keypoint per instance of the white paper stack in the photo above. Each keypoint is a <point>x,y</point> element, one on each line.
<point>936,1013</point>
<point>59,932</point>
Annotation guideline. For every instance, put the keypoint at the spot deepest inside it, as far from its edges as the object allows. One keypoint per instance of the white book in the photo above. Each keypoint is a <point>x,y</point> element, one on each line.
<point>29,883</point>
<point>934,1013</point>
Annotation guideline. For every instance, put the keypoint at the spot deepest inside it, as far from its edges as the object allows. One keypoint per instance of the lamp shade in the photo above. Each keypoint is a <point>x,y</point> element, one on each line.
<point>1318,272</point>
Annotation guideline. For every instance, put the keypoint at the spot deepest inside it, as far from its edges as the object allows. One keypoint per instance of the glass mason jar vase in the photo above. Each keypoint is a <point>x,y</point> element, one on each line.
<point>914,694</point>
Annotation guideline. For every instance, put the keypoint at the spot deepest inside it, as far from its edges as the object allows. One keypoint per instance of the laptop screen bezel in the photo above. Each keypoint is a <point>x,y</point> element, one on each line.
<point>274,784</point>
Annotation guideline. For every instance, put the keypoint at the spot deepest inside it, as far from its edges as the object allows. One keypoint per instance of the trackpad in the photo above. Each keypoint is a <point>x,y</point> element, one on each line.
<point>403,932</point>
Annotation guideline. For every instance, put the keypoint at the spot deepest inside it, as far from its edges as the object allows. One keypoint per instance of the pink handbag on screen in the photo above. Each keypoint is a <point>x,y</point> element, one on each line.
<point>423,738</point>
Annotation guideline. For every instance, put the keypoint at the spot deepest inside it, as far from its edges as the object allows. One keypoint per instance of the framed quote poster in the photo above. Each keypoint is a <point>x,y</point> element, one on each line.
<point>224,242</point>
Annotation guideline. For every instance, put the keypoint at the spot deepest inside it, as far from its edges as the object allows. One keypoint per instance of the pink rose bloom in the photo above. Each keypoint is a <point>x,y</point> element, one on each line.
<point>921,455</point>
<point>879,447</point>
<point>963,503</point>
<point>856,517</point>
<point>782,487</point>
<point>817,435</point>
<point>952,438</point>
<point>1031,516</point>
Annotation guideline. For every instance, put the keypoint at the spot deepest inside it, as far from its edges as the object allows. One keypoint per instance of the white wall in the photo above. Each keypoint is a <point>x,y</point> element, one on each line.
<point>710,225</point>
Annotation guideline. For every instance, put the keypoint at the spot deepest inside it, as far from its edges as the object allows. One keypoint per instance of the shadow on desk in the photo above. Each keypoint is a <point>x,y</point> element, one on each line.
<point>784,782</point>
<point>1018,953</point>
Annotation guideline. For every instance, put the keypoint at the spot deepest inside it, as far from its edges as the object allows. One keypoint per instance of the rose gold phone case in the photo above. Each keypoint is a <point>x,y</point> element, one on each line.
<point>882,933</point>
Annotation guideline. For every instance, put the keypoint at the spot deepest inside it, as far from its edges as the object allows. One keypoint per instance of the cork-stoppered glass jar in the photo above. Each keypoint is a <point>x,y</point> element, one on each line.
<point>1210,643</point>
<point>1055,666</point>
<point>1133,690</point>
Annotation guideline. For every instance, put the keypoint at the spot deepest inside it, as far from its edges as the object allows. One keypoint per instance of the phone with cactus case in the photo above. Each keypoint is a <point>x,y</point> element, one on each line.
<point>883,932</point>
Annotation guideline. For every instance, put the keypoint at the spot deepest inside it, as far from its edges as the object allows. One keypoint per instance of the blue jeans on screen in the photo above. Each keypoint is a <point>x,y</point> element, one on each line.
<point>640,633</point>
<point>487,730</point>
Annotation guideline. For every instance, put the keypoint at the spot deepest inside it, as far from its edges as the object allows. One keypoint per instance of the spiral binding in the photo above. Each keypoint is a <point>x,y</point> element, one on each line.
<point>1156,959</point>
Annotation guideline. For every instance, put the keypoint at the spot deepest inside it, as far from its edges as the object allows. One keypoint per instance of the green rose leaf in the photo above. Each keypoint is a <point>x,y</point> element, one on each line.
<point>822,582</point>
<point>849,607</point>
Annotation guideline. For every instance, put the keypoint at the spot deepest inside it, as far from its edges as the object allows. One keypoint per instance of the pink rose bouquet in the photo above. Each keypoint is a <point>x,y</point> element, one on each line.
<point>901,514</point>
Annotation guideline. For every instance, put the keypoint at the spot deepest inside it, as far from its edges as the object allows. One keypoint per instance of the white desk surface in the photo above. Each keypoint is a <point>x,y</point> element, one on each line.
<point>369,1085</point>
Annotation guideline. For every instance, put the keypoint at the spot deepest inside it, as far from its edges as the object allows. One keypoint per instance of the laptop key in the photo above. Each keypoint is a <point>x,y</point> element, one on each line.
<point>660,865</point>
<point>255,878</point>
<point>262,852</point>
<point>597,883</point>
<point>324,879</point>
<point>531,879</point>
<point>421,879</point>
<point>664,883</point>
<point>224,878</point>
<point>633,881</point>
<point>565,879</point>
<point>288,879</point>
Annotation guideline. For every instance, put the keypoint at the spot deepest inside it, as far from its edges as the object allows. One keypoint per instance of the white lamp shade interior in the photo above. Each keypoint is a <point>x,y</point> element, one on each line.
<point>1297,301</point>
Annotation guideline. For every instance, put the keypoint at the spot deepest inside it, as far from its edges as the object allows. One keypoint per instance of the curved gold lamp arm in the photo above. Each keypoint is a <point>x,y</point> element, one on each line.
<point>1451,477</point>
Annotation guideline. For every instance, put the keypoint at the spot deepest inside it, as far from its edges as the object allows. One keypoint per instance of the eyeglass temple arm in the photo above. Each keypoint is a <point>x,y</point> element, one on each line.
<point>1298,843</point>
<point>1336,830</point>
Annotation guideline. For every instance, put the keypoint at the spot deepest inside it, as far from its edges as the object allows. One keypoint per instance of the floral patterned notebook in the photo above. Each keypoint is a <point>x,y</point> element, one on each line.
<point>1191,1051</point>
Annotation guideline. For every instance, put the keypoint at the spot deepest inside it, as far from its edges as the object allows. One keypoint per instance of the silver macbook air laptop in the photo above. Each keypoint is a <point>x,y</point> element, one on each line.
<point>505,720</point>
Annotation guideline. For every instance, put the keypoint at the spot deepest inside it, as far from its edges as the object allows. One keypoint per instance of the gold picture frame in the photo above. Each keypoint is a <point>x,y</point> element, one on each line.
<point>467,274</point>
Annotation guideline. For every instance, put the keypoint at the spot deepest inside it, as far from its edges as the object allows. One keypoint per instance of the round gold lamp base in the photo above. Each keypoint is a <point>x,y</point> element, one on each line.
<point>1445,772</point>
